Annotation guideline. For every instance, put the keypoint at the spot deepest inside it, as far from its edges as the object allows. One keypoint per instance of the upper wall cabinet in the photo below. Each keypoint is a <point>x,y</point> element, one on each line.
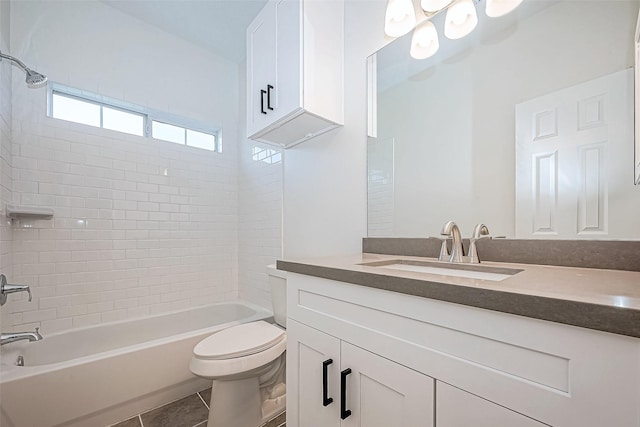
<point>295,51</point>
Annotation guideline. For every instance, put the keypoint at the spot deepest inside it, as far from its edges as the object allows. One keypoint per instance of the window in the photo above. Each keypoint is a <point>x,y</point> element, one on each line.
<point>78,106</point>
<point>266,155</point>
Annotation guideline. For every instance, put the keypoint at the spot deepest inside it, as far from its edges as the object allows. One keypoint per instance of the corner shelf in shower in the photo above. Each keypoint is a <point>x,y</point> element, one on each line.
<point>29,212</point>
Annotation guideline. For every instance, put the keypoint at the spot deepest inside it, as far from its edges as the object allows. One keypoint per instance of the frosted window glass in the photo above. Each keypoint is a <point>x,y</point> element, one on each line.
<point>74,110</point>
<point>168,132</point>
<point>122,121</point>
<point>201,140</point>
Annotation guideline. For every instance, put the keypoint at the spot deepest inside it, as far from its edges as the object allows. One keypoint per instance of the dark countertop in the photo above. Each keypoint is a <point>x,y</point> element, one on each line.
<point>604,300</point>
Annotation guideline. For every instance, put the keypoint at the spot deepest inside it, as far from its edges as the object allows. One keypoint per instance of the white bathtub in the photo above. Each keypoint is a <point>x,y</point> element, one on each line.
<point>102,374</point>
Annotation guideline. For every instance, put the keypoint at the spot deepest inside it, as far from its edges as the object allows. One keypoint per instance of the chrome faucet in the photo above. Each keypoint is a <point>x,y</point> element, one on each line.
<point>6,288</point>
<point>457,252</point>
<point>17,336</point>
<point>480,231</point>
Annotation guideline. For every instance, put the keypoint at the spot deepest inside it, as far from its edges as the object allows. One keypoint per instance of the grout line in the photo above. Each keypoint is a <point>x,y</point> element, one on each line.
<point>140,419</point>
<point>205,403</point>
<point>203,423</point>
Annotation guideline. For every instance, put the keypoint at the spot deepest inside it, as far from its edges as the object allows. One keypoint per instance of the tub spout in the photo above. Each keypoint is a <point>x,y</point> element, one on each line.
<point>18,336</point>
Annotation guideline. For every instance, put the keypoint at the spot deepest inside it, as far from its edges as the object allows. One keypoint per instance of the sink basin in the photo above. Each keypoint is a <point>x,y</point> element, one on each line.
<point>471,271</point>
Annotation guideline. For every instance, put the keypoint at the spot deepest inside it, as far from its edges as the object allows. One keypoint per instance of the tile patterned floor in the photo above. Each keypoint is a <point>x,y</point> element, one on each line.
<point>191,411</point>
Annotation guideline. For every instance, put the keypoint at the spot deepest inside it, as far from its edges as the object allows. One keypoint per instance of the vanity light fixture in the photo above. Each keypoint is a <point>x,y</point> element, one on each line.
<point>460,20</point>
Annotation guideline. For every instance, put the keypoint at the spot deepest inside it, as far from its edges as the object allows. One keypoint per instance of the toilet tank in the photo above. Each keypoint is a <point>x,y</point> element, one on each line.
<point>278,284</point>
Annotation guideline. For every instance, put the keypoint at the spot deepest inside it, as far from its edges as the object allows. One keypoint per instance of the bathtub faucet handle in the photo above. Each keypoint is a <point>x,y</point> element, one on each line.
<point>6,288</point>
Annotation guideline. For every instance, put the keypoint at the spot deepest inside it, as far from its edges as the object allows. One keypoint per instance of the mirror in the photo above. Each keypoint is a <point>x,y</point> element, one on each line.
<point>525,125</point>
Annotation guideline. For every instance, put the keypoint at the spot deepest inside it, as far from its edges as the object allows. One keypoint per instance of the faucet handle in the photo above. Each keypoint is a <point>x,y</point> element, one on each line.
<point>480,231</point>
<point>6,288</point>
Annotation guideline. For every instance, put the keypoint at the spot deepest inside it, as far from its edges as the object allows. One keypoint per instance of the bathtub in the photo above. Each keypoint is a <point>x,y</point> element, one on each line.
<point>103,374</point>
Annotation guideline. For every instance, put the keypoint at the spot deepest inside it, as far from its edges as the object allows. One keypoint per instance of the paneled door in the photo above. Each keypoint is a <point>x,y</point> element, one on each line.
<point>571,146</point>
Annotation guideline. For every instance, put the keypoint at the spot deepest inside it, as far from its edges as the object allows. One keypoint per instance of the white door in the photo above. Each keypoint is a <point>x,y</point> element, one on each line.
<point>311,353</point>
<point>457,408</point>
<point>381,393</point>
<point>569,145</point>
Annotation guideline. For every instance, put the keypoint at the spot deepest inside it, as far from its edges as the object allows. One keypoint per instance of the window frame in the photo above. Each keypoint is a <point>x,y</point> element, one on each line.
<point>148,115</point>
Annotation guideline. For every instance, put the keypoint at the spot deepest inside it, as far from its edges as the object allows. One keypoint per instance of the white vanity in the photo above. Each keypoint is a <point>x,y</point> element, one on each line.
<point>406,348</point>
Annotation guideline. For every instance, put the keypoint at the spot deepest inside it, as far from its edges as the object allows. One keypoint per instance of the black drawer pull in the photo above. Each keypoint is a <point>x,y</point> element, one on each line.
<point>326,401</point>
<point>344,412</point>
<point>262,94</point>
<point>269,88</point>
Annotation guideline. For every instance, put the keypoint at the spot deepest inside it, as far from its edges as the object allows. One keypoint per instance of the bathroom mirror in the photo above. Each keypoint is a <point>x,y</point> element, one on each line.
<point>525,125</point>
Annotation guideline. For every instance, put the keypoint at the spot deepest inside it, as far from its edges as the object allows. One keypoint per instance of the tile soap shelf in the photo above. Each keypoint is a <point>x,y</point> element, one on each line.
<point>29,212</point>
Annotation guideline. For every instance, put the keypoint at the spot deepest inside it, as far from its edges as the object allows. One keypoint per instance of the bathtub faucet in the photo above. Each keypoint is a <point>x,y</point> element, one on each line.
<point>17,336</point>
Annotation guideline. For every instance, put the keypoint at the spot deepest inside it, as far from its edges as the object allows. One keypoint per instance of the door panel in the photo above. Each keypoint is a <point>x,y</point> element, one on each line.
<point>382,393</point>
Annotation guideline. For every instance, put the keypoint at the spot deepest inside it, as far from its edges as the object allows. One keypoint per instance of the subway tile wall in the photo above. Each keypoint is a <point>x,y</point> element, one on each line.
<point>260,219</point>
<point>6,174</point>
<point>140,226</point>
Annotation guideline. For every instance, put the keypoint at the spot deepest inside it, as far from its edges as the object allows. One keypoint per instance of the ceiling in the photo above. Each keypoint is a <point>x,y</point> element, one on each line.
<point>216,25</point>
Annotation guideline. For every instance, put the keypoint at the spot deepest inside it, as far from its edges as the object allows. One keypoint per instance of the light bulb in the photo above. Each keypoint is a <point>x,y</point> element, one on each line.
<point>461,19</point>
<point>434,5</point>
<point>424,42</point>
<point>399,18</point>
<point>497,8</point>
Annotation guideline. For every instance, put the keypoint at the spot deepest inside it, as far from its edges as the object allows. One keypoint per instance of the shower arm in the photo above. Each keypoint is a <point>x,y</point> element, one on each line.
<point>14,60</point>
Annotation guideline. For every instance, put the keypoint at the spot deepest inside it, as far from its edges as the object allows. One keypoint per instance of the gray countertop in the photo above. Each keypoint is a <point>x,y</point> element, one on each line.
<point>604,300</point>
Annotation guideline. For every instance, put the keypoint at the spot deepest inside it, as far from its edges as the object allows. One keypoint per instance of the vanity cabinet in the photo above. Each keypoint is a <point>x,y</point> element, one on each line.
<point>295,71</point>
<point>339,384</point>
<point>488,367</point>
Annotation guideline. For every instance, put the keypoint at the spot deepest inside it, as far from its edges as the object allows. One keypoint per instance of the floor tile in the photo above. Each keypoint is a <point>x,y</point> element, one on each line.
<point>131,422</point>
<point>185,412</point>
<point>206,395</point>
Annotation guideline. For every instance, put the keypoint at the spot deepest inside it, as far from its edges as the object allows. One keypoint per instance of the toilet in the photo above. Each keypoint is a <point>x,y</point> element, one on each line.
<point>247,365</point>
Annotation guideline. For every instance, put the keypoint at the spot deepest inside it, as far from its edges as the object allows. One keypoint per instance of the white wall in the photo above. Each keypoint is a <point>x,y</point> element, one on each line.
<point>140,226</point>
<point>6,172</point>
<point>455,144</point>
<point>325,178</point>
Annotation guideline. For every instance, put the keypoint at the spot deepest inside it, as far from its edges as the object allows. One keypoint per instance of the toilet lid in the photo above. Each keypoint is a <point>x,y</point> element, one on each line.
<point>238,341</point>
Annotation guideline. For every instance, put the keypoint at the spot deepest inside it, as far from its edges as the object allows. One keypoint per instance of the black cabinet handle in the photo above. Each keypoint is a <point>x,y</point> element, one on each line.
<point>262,94</point>
<point>269,88</point>
<point>344,413</point>
<point>326,401</point>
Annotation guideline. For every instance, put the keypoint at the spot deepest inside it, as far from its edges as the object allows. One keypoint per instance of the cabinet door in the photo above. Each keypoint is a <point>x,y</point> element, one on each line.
<point>261,65</point>
<point>381,393</point>
<point>457,408</point>
<point>309,352</point>
<point>273,64</point>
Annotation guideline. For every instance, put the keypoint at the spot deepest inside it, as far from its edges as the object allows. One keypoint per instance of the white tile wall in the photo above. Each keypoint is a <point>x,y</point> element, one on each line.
<point>6,173</point>
<point>140,226</point>
<point>260,223</point>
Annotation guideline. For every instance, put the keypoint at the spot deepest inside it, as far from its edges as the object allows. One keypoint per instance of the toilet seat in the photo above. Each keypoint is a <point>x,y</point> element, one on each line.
<point>239,341</point>
<point>238,350</point>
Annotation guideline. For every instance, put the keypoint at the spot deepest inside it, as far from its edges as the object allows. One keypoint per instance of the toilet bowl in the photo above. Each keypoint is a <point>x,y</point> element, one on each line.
<point>247,366</point>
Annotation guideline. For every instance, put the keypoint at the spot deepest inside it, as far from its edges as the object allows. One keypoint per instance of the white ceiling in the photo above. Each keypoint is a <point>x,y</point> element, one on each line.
<point>216,25</point>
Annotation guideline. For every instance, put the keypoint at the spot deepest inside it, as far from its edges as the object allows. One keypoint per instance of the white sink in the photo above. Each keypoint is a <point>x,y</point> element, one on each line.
<point>462,270</point>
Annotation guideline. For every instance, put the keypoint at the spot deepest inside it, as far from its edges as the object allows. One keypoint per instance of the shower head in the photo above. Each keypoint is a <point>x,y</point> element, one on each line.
<point>34,79</point>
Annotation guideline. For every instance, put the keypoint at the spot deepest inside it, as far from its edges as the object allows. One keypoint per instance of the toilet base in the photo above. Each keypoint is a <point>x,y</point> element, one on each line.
<point>235,403</point>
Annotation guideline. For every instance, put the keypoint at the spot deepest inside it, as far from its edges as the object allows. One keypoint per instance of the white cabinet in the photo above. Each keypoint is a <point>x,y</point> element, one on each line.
<point>295,71</point>
<point>503,370</point>
<point>457,408</point>
<point>339,384</point>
